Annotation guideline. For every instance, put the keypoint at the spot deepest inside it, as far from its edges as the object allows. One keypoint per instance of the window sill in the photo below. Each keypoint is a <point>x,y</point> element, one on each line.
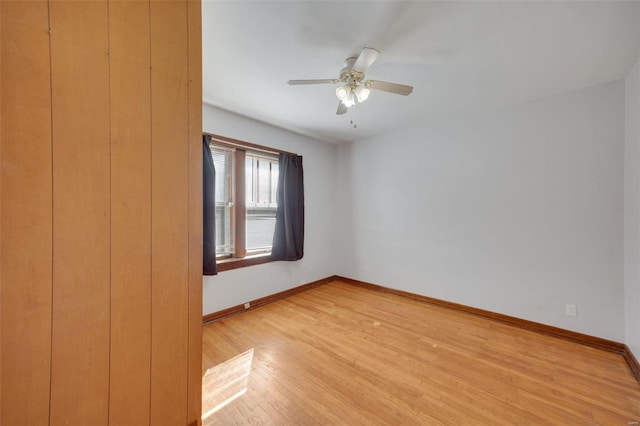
<point>229,264</point>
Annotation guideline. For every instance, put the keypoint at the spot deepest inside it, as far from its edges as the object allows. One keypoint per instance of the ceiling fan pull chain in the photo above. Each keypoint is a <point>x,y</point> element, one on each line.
<point>352,118</point>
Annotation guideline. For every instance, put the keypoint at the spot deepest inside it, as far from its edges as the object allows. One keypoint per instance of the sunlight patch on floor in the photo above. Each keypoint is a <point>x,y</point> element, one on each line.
<point>225,382</point>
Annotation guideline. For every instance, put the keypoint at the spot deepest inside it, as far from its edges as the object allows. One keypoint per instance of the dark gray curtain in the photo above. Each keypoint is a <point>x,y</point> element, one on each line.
<point>288,237</point>
<point>209,266</point>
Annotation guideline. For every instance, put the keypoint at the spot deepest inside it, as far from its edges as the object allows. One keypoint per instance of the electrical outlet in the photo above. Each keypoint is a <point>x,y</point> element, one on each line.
<point>571,310</point>
<point>248,305</point>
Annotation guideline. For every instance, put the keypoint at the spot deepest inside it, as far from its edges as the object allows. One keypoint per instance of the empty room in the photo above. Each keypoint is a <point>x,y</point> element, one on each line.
<point>470,248</point>
<point>319,212</point>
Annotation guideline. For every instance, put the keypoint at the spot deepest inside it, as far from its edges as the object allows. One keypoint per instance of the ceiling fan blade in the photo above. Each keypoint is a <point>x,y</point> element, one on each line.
<point>326,81</point>
<point>398,89</point>
<point>367,57</point>
<point>341,108</point>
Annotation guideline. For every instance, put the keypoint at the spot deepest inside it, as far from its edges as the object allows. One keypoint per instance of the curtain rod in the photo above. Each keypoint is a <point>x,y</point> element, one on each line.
<point>254,146</point>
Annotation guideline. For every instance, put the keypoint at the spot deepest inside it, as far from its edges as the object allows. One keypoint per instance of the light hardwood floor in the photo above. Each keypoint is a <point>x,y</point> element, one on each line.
<point>340,354</point>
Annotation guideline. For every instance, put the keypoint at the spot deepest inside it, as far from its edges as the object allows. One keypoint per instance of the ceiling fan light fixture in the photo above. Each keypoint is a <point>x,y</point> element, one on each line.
<point>350,101</point>
<point>362,93</point>
<point>343,92</point>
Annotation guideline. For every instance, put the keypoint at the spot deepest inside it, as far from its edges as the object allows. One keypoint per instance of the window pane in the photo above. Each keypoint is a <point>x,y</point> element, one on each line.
<point>222,164</point>
<point>225,229</point>
<point>261,223</point>
<point>274,182</point>
<point>264,181</point>
<point>261,180</point>
<point>250,178</point>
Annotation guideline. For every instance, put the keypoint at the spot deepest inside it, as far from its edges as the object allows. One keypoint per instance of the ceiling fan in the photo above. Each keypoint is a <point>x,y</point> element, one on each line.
<point>353,88</point>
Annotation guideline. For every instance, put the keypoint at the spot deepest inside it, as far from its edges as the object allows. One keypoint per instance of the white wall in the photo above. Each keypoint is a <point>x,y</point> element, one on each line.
<point>518,211</point>
<point>237,286</point>
<point>632,210</point>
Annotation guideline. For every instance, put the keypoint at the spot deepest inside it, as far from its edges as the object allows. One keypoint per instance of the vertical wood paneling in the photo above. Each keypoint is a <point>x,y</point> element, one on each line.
<point>170,204</point>
<point>81,234</point>
<point>130,212</point>
<point>25,194</point>
<point>195,212</point>
<point>1,50</point>
<point>100,213</point>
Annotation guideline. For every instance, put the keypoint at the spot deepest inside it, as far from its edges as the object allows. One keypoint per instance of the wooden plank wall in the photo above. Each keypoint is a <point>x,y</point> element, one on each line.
<point>130,212</point>
<point>169,231</point>
<point>26,208</point>
<point>100,212</point>
<point>194,386</point>
<point>1,46</point>
<point>81,213</point>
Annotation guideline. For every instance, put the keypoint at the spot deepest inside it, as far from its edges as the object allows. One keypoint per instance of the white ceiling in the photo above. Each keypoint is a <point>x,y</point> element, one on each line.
<point>459,56</point>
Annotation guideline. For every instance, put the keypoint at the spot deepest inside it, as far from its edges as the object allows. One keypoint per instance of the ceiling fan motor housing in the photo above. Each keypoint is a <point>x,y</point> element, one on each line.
<point>346,74</point>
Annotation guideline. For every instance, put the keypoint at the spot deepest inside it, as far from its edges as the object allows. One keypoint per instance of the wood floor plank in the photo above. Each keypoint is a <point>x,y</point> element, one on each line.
<point>338,354</point>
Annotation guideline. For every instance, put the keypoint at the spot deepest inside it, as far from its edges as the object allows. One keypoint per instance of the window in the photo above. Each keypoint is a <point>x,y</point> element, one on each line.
<point>246,184</point>
<point>261,181</point>
<point>223,159</point>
